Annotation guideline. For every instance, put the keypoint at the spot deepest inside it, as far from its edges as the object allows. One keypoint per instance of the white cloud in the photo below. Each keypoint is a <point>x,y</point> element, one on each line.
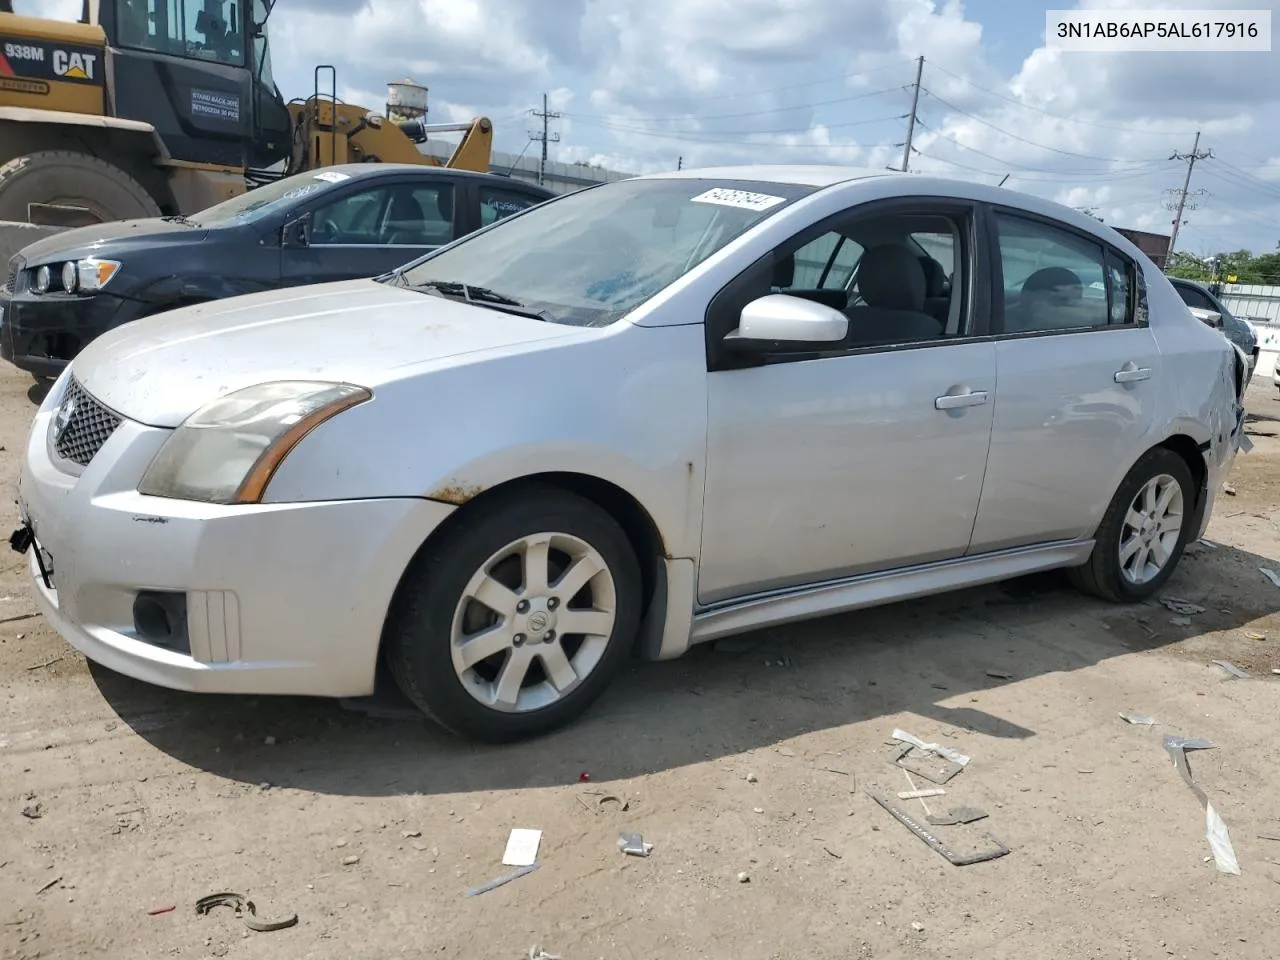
<point>643,84</point>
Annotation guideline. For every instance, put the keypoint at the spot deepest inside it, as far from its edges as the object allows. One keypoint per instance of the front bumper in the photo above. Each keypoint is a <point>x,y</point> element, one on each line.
<point>279,598</point>
<point>41,333</point>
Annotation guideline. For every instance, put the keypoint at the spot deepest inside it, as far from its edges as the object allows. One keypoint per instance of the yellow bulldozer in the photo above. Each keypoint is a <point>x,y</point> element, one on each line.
<point>164,107</point>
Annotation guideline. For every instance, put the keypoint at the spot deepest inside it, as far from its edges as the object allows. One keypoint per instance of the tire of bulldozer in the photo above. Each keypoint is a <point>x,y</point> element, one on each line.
<point>69,178</point>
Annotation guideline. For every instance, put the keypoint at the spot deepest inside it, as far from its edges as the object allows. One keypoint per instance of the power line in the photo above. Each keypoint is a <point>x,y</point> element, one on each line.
<point>1191,159</point>
<point>790,86</point>
<point>1014,136</point>
<point>1248,180</point>
<point>546,116</point>
<point>1150,164</point>
<point>1091,177</point>
<point>731,116</point>
<point>691,135</point>
<point>1050,113</point>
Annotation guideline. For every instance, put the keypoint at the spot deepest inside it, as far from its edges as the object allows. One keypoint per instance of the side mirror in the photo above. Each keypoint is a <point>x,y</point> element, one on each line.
<point>1209,317</point>
<point>778,317</point>
<point>296,233</point>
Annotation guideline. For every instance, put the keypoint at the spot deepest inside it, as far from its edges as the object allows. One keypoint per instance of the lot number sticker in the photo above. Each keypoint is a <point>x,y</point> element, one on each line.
<point>332,176</point>
<point>738,198</point>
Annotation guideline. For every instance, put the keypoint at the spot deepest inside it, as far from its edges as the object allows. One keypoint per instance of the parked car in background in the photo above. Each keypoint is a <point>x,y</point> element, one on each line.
<point>342,222</point>
<point>1214,312</point>
<point>637,417</point>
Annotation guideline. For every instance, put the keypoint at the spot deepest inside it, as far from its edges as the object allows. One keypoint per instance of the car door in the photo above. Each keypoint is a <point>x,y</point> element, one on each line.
<point>1078,379</point>
<point>863,457</point>
<point>368,230</point>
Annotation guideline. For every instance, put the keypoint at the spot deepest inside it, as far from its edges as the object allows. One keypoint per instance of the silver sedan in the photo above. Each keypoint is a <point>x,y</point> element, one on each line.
<point>632,419</point>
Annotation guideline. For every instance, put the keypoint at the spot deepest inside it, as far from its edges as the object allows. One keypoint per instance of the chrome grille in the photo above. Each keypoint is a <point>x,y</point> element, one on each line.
<point>16,264</point>
<point>81,425</point>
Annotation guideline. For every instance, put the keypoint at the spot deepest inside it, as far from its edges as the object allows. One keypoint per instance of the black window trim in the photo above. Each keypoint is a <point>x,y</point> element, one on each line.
<point>1139,312</point>
<point>976,303</point>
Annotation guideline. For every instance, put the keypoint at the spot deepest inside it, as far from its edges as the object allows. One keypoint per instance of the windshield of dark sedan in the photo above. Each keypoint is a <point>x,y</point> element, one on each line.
<point>265,200</point>
<point>589,258</point>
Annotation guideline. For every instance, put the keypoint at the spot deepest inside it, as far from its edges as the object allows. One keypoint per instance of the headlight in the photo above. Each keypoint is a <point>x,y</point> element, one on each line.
<point>228,451</point>
<point>89,275</point>
<point>44,276</point>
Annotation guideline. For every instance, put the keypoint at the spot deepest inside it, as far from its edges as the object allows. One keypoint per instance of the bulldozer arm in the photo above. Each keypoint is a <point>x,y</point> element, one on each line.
<point>328,133</point>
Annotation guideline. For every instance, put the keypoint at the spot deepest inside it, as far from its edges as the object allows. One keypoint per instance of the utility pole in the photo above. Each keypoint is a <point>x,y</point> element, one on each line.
<point>1182,195</point>
<point>911,120</point>
<point>546,138</point>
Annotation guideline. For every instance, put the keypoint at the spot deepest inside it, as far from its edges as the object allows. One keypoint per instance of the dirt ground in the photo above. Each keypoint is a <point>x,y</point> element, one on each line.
<point>743,765</point>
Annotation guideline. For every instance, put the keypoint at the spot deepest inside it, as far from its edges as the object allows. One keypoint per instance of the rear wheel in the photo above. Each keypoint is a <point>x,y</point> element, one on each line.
<point>1144,531</point>
<point>71,179</point>
<point>514,621</point>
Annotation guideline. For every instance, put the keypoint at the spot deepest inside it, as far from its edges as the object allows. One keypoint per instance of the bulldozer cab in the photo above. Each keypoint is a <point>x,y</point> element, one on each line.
<point>199,71</point>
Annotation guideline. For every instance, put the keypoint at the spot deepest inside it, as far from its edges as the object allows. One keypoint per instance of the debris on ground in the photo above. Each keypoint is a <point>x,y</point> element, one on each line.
<point>157,911</point>
<point>953,755</point>
<point>1138,719</point>
<point>1180,621</point>
<point>1271,575</point>
<point>1254,635</point>
<point>52,883</point>
<point>744,877</point>
<point>41,666</point>
<point>996,850</point>
<point>920,794</point>
<point>410,834</point>
<point>1184,607</point>
<point>926,764</point>
<point>1270,834</point>
<point>1215,830</point>
<point>502,881</point>
<point>956,816</point>
<point>1229,490</point>
<point>537,953</point>
<point>350,861</point>
<point>584,777</point>
<point>33,812</point>
<point>999,675</point>
<point>245,910</point>
<point>1231,668</point>
<point>633,845</point>
<point>752,778</point>
<point>522,847</point>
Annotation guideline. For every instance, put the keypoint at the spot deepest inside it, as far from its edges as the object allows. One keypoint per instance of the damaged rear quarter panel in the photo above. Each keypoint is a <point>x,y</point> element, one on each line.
<point>625,404</point>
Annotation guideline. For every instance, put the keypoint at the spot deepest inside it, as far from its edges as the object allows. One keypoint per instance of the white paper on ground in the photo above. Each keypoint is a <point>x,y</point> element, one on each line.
<point>522,847</point>
<point>940,750</point>
<point>1215,831</point>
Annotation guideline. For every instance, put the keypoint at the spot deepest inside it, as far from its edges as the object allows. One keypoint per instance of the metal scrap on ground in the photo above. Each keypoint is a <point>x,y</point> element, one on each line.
<point>926,764</point>
<point>1215,830</point>
<point>997,849</point>
<point>956,816</point>
<point>1138,719</point>
<point>953,755</point>
<point>1231,668</point>
<point>1184,607</point>
<point>502,881</point>
<point>633,845</point>
<point>245,910</point>
<point>1271,575</point>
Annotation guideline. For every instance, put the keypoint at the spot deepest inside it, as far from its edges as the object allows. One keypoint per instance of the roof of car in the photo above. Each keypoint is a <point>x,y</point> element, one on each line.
<point>366,170</point>
<point>809,175</point>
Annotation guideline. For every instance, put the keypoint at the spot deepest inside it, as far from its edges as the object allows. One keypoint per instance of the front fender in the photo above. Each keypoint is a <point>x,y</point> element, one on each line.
<point>625,405</point>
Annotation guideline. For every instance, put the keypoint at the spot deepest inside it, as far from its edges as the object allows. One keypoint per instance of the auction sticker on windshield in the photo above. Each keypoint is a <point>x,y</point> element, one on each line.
<point>738,198</point>
<point>332,176</point>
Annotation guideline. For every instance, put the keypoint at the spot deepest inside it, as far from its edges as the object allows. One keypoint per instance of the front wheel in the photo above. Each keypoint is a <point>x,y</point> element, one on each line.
<point>514,621</point>
<point>1144,531</point>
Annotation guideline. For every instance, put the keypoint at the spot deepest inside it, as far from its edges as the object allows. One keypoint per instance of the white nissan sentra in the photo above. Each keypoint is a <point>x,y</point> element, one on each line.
<point>631,419</point>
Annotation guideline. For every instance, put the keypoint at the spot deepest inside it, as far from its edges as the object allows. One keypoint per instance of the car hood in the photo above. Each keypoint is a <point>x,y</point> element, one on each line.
<point>100,238</point>
<point>161,369</point>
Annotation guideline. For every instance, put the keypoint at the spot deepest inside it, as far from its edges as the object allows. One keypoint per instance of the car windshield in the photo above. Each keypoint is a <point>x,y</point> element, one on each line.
<point>266,200</point>
<point>589,258</point>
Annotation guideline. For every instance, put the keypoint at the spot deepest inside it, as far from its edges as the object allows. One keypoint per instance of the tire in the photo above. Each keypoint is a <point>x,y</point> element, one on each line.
<point>73,179</point>
<point>431,614</point>
<point>1104,575</point>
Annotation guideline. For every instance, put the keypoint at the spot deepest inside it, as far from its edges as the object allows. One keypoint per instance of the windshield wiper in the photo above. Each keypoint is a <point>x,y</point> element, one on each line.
<point>178,218</point>
<point>481,297</point>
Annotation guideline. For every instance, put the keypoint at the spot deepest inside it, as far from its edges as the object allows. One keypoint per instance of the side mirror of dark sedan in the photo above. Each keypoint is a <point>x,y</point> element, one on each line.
<point>1209,317</point>
<point>778,321</point>
<point>296,233</point>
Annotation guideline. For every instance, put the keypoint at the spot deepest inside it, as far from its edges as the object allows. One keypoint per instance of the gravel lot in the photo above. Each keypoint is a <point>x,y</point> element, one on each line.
<point>744,761</point>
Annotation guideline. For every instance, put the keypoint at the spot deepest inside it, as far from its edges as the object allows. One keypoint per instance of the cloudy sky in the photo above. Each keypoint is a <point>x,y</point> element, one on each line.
<point>644,84</point>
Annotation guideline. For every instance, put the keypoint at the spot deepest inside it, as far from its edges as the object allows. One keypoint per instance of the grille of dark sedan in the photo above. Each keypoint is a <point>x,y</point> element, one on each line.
<point>81,425</point>
<point>15,268</point>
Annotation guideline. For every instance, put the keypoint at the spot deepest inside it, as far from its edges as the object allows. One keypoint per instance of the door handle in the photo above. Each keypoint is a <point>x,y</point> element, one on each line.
<point>953,401</point>
<point>1131,374</point>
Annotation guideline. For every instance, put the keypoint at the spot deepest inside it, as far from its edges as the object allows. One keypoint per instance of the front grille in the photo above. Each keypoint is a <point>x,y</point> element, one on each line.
<point>16,264</point>
<point>81,425</point>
